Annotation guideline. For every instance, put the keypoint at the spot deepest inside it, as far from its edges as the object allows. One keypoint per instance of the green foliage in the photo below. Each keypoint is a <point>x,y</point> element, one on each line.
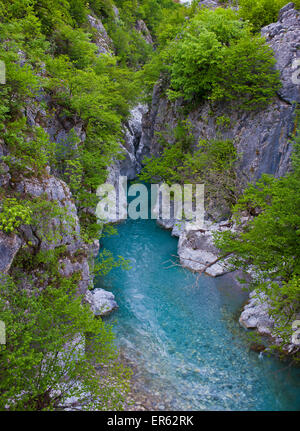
<point>13,214</point>
<point>100,97</point>
<point>131,48</point>
<point>170,25</point>
<point>102,7</point>
<point>78,11</point>
<point>76,44</point>
<point>45,361</point>
<point>269,244</point>
<point>150,11</point>
<point>285,300</point>
<point>28,156</point>
<point>44,211</point>
<point>106,262</point>
<point>215,57</point>
<point>211,163</point>
<point>262,12</point>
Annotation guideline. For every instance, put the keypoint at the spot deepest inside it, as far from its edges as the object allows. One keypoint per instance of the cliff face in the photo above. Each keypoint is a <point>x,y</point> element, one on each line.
<point>65,229</point>
<point>261,138</point>
<point>68,133</point>
<point>78,255</point>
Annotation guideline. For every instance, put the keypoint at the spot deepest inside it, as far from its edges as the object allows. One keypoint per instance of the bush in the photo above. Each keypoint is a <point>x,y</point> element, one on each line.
<point>53,346</point>
<point>211,163</point>
<point>262,12</point>
<point>13,214</point>
<point>216,58</point>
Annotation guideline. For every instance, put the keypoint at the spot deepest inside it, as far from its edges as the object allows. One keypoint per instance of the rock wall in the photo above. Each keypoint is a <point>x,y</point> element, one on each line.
<point>261,138</point>
<point>101,38</point>
<point>128,167</point>
<point>79,256</point>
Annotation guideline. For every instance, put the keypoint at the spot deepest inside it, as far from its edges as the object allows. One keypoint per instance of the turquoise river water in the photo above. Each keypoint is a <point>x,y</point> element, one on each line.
<point>182,331</point>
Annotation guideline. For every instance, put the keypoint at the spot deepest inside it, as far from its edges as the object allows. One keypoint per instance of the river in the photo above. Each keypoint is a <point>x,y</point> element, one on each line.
<point>182,332</point>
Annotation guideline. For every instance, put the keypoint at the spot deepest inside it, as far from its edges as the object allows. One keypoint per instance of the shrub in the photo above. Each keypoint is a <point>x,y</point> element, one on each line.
<point>53,345</point>
<point>216,58</point>
<point>211,163</point>
<point>262,12</point>
<point>13,214</point>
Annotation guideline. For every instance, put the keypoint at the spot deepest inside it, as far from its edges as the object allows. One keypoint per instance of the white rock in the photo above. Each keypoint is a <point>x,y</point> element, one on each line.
<point>101,301</point>
<point>196,250</point>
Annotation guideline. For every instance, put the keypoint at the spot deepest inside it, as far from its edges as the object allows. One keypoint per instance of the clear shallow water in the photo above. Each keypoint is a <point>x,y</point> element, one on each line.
<point>183,331</point>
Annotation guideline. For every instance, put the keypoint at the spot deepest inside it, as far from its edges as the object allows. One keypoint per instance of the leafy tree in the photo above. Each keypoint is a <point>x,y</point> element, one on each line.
<point>262,12</point>
<point>13,214</point>
<point>216,58</point>
<point>54,349</point>
<point>246,74</point>
<point>27,156</point>
<point>181,161</point>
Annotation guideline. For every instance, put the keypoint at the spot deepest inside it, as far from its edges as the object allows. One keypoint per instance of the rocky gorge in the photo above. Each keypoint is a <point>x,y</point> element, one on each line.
<point>262,141</point>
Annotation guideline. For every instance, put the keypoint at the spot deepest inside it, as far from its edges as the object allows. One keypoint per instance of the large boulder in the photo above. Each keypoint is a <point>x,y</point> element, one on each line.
<point>197,252</point>
<point>101,301</point>
<point>256,314</point>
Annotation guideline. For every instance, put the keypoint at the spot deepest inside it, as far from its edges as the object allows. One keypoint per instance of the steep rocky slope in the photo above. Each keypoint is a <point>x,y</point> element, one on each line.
<point>261,138</point>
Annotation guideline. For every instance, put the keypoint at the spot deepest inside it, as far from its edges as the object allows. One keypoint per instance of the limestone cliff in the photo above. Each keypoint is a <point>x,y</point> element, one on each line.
<point>261,138</point>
